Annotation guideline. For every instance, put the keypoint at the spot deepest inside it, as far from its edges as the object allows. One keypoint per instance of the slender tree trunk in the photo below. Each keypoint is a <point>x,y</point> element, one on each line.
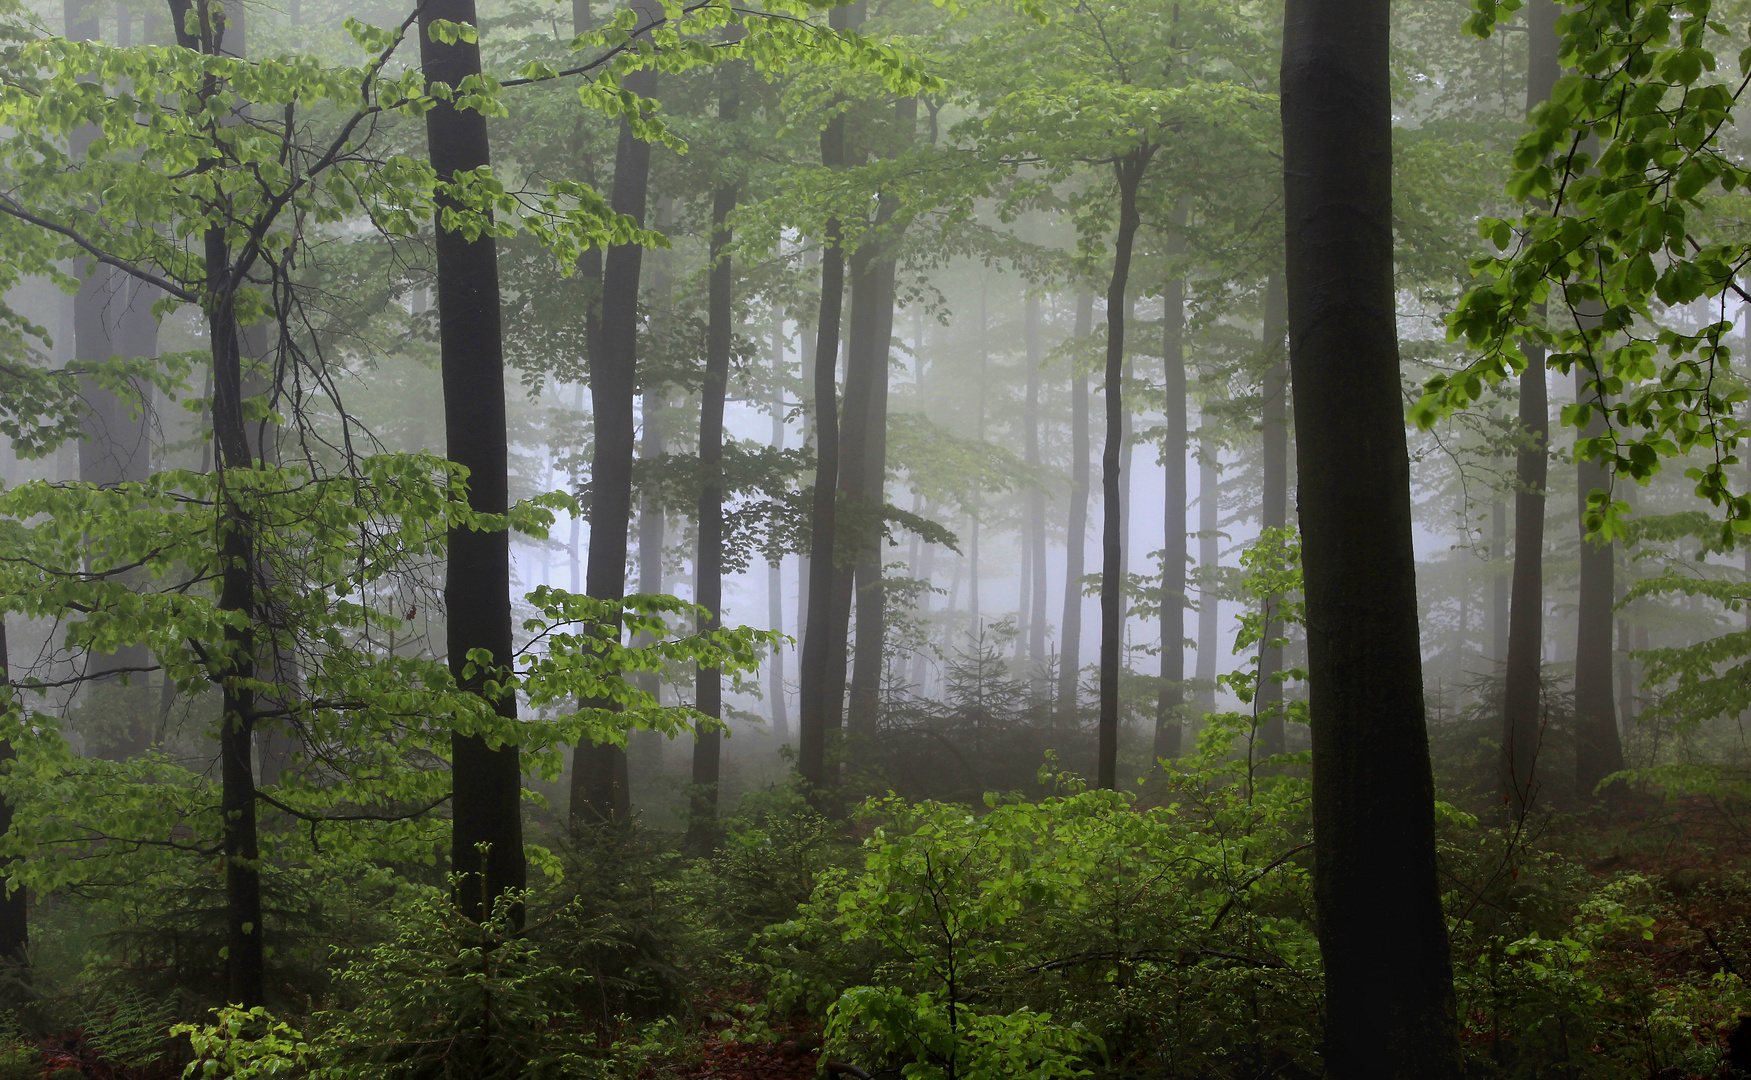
<point>1169,704</point>
<point>1390,1010</point>
<point>589,286</point>
<point>820,707</point>
<point>488,781</point>
<point>1522,705</point>
<point>1112,592</point>
<point>245,956</point>
<point>854,494</point>
<point>239,845</point>
<point>1209,561</point>
<point>720,316</point>
<point>1034,585</point>
<point>1498,582</point>
<point>1076,535</point>
<point>599,790</point>
<point>869,649</point>
<point>775,569</point>
<point>644,748</point>
<point>1598,750</point>
<point>976,509</point>
<point>1639,700</point>
<point>14,905</point>
<point>1274,513</point>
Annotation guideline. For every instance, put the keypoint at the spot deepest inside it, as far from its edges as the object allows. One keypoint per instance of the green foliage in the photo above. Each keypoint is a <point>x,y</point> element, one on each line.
<point>444,998</point>
<point>1628,193</point>
<point>1044,936</point>
<point>20,1063</point>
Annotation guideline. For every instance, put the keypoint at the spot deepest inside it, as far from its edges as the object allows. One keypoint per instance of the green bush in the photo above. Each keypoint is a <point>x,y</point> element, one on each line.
<point>20,1063</point>
<point>1042,938</point>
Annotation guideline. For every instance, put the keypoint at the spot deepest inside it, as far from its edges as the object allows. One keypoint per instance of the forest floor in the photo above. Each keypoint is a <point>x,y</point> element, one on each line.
<point>791,1050</point>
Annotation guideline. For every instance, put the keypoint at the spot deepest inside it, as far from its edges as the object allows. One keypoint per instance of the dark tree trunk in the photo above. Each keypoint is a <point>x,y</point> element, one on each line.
<point>488,781</point>
<point>854,496</point>
<point>821,706</point>
<point>14,906</point>
<point>245,957</point>
<point>1169,704</point>
<point>871,640</point>
<point>775,570</point>
<point>1598,749</point>
<point>1390,1009</point>
<point>1274,512</point>
<point>1209,560</point>
<point>1076,536</point>
<point>708,591</point>
<point>599,782</point>
<point>1129,172</point>
<point>1522,703</point>
<point>869,649</point>
<point>239,844</point>
<point>1034,585</point>
<point>1498,582</point>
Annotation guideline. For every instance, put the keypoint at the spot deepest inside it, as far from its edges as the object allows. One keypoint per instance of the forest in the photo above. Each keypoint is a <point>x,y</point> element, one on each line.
<point>951,540</point>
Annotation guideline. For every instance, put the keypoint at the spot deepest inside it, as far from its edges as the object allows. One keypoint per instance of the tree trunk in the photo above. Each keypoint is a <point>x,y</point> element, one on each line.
<point>1522,704</point>
<point>14,906</point>
<point>869,649</point>
<point>1390,1009</point>
<point>245,956</point>
<point>1169,704</point>
<point>775,570</point>
<point>854,494</point>
<point>1274,513</point>
<point>1034,585</point>
<point>599,781</point>
<point>1209,561</point>
<point>239,844</point>
<point>1498,582</point>
<point>1129,173</point>
<point>1598,750</point>
<point>589,286</point>
<point>708,591</point>
<point>488,781</point>
<point>1076,536</point>
<point>820,707</point>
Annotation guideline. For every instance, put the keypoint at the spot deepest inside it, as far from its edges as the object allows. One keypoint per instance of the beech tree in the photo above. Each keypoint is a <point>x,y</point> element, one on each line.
<point>1389,1012</point>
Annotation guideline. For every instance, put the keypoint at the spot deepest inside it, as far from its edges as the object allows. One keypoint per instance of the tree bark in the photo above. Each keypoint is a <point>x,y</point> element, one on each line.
<point>14,903</point>
<point>245,956</point>
<point>775,570</point>
<point>1390,1010</point>
<point>1076,535</point>
<point>869,648</point>
<point>239,843</point>
<point>1274,513</point>
<point>599,790</point>
<point>820,707</point>
<point>1209,561</point>
<point>1498,582</point>
<point>1035,583</point>
<point>488,780</point>
<point>1522,699</point>
<point>1170,702</point>
<point>1598,749</point>
<point>708,592</point>
<point>854,494</point>
<point>1129,173</point>
<point>876,328</point>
